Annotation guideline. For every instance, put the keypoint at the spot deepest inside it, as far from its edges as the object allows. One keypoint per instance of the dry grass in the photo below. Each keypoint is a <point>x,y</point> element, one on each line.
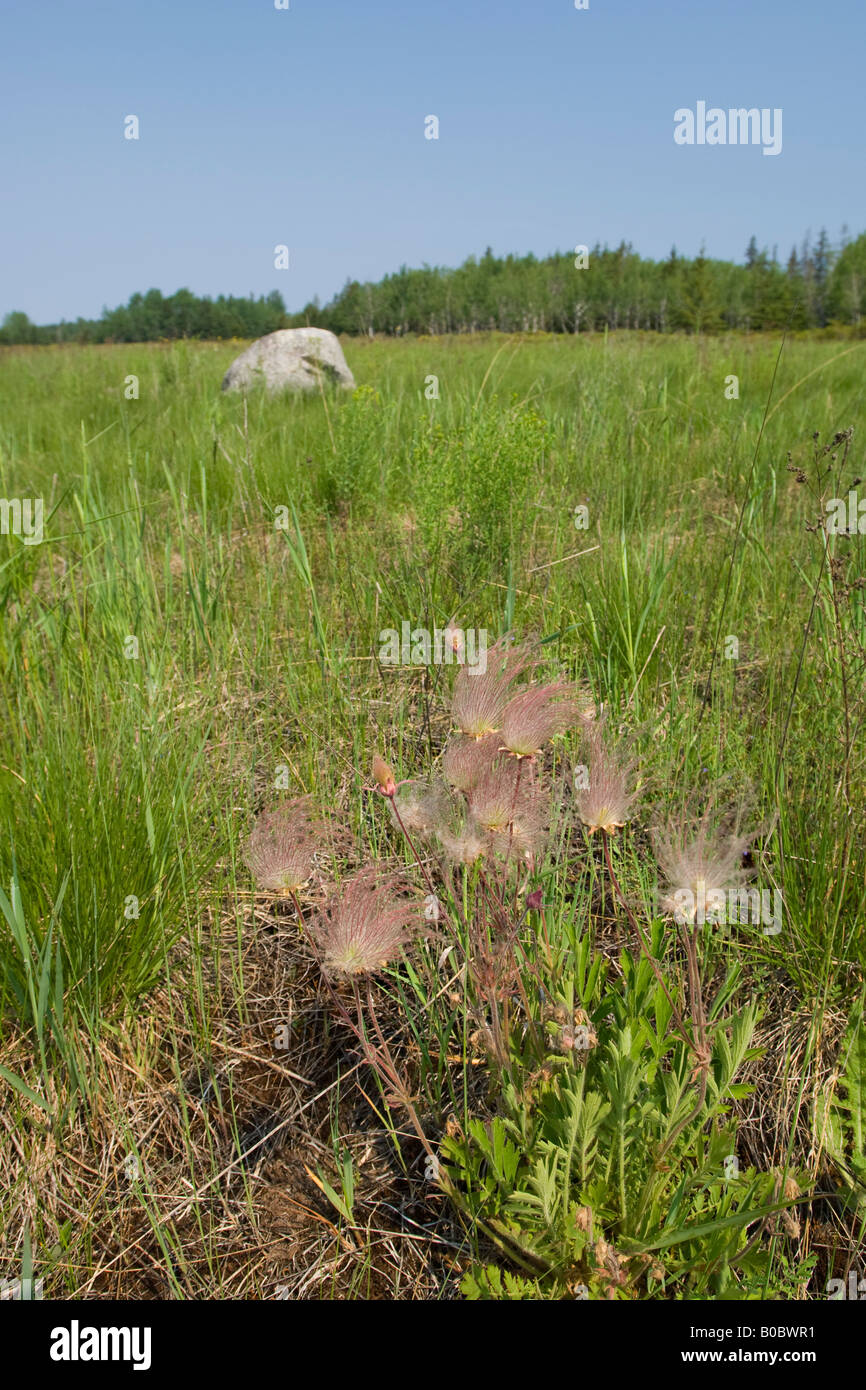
<point>227,1203</point>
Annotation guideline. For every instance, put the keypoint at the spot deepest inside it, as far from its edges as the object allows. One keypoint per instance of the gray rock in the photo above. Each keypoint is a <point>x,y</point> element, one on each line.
<point>295,359</point>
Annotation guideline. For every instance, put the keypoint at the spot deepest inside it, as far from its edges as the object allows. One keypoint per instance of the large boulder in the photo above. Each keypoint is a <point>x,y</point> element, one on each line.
<point>295,359</point>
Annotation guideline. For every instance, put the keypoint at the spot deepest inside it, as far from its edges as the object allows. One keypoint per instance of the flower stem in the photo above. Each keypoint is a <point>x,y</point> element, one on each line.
<point>677,1017</point>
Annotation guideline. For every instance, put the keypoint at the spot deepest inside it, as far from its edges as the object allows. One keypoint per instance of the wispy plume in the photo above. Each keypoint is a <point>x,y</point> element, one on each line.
<point>607,802</point>
<point>700,856</point>
<point>280,851</point>
<point>510,808</point>
<point>422,807</point>
<point>364,926</point>
<point>466,760</point>
<point>498,797</point>
<point>465,842</point>
<point>535,715</point>
<point>480,697</point>
<point>526,835</point>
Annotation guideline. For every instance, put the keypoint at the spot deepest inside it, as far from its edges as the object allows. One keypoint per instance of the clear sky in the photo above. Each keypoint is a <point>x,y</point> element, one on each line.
<point>305,127</point>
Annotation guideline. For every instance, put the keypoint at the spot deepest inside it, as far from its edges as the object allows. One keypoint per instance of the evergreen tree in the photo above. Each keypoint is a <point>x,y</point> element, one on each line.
<point>846,292</point>
<point>701,307</point>
<point>17,328</point>
<point>618,289</point>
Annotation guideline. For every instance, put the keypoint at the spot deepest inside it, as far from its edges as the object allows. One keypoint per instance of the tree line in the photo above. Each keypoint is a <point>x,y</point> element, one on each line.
<point>583,290</point>
<point>604,288</point>
<point>153,316</point>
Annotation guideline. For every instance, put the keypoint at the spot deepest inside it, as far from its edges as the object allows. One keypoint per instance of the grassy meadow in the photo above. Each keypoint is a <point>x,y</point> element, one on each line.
<point>184,1112</point>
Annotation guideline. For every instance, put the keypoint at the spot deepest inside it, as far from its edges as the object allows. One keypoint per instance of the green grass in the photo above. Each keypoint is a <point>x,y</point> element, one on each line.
<point>255,549</point>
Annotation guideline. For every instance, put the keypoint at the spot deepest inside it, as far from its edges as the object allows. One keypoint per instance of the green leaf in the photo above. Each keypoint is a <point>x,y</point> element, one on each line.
<point>23,1089</point>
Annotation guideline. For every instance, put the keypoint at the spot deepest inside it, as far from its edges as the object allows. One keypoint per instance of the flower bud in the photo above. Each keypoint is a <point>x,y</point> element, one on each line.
<point>384,776</point>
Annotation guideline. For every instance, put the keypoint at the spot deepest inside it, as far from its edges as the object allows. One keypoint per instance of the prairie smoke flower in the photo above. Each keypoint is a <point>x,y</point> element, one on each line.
<point>280,850</point>
<point>480,697</point>
<point>525,837</point>
<point>498,796</point>
<point>701,860</point>
<point>422,806</point>
<point>466,760</point>
<point>465,845</point>
<point>364,926</point>
<point>383,775</point>
<point>606,803</point>
<point>510,809</point>
<point>534,715</point>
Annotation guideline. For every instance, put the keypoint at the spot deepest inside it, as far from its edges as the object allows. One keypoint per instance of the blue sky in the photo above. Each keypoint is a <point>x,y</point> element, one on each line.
<point>305,127</point>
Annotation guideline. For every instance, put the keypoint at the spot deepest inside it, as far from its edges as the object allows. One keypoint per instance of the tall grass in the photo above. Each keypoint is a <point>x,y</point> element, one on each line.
<point>200,628</point>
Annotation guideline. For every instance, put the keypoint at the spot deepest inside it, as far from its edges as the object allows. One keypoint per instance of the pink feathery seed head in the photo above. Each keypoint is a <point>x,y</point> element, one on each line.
<point>281,848</point>
<point>480,697</point>
<point>466,760</point>
<point>466,844</point>
<point>505,799</point>
<point>524,838</point>
<point>420,806</point>
<point>536,714</point>
<point>364,927</point>
<point>607,802</point>
<point>701,855</point>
